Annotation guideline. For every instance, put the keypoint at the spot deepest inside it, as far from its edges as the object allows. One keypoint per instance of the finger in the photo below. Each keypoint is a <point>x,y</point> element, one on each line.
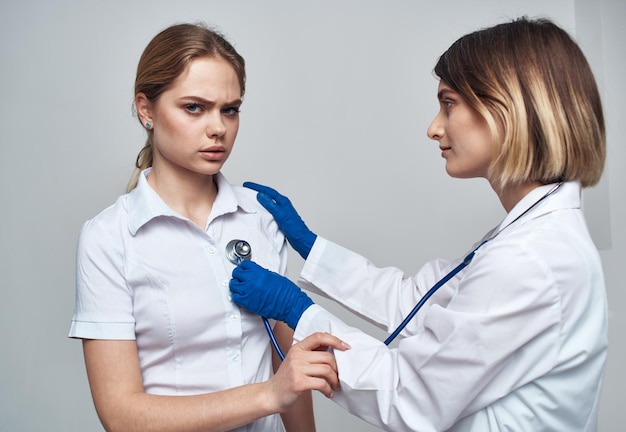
<point>268,202</point>
<point>329,375</point>
<point>253,185</point>
<point>261,188</point>
<point>322,386</point>
<point>322,340</point>
<point>323,361</point>
<point>239,273</point>
<point>235,286</point>
<point>248,266</point>
<point>315,363</point>
<point>268,195</point>
<point>306,383</point>
<point>324,372</point>
<point>246,271</point>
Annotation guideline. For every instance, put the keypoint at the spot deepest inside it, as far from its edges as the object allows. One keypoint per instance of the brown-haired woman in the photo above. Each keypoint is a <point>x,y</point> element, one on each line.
<point>165,347</point>
<point>516,340</point>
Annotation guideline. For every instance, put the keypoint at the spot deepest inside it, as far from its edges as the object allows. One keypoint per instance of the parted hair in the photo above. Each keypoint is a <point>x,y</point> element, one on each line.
<point>533,86</point>
<point>166,57</point>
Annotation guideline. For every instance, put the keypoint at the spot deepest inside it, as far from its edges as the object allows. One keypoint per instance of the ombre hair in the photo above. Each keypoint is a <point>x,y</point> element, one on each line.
<point>533,86</point>
<point>166,57</point>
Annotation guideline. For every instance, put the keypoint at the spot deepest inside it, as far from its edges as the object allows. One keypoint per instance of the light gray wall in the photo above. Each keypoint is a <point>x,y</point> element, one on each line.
<point>339,98</point>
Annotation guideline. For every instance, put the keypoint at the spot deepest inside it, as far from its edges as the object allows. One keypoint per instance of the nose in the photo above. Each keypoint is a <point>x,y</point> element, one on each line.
<point>216,126</point>
<point>435,131</point>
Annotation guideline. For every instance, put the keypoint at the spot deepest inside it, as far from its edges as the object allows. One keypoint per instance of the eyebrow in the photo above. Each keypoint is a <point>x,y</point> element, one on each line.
<point>204,101</point>
<point>443,93</point>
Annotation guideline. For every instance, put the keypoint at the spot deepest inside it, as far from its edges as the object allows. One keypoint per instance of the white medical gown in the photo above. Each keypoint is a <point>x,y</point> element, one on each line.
<point>517,341</point>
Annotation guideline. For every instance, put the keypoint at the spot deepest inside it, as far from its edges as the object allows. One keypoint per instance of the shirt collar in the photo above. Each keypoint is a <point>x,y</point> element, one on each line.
<point>144,204</point>
<point>567,196</point>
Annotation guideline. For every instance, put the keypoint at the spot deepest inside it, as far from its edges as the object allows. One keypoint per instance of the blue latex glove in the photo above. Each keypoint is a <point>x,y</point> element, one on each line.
<point>300,237</point>
<point>268,294</point>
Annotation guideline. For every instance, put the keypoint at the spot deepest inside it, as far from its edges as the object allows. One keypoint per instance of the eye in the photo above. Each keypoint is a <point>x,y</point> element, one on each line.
<point>231,111</point>
<point>194,108</point>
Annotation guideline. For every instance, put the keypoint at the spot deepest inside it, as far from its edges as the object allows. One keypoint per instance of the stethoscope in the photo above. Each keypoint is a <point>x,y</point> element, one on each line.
<point>236,252</point>
<point>461,266</point>
<point>239,250</point>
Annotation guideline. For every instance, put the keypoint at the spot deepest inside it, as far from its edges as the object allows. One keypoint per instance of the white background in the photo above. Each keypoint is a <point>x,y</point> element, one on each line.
<point>339,97</point>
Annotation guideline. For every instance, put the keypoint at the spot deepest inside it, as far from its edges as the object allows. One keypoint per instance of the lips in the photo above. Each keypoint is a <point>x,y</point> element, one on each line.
<point>214,148</point>
<point>213,153</point>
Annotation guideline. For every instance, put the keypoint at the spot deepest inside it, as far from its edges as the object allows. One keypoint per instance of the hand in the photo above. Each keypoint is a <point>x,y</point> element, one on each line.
<point>308,366</point>
<point>300,237</point>
<point>268,294</point>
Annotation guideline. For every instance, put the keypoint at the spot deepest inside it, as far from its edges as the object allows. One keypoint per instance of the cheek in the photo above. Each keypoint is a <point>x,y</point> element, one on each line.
<point>233,129</point>
<point>168,124</point>
<point>479,134</point>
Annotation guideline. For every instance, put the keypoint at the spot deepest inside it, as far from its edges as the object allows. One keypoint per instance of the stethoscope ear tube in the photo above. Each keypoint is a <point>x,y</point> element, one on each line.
<point>460,267</point>
<point>430,292</point>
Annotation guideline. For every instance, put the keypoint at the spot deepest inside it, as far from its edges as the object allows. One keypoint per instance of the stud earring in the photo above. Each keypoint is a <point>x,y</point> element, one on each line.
<point>148,125</point>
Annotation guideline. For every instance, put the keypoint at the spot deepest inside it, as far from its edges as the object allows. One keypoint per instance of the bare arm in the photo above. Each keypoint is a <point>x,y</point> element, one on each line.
<point>122,405</point>
<point>117,390</point>
<point>299,417</point>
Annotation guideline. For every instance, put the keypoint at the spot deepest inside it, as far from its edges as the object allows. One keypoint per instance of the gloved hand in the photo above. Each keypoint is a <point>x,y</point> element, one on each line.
<point>300,237</point>
<point>268,294</point>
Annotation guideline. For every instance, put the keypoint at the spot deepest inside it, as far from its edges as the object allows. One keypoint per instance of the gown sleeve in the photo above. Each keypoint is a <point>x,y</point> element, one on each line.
<point>383,296</point>
<point>495,329</point>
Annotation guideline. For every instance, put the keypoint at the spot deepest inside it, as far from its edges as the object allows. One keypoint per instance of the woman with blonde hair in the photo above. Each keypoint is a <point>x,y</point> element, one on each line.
<point>165,347</point>
<point>513,336</point>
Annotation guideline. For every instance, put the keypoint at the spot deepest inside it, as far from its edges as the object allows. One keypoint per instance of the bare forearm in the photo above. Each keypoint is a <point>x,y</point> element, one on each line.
<point>298,418</point>
<point>122,405</point>
<point>220,411</point>
<point>117,389</point>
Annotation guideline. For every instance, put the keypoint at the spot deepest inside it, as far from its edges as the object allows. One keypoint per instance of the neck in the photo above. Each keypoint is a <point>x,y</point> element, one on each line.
<point>191,196</point>
<point>510,195</point>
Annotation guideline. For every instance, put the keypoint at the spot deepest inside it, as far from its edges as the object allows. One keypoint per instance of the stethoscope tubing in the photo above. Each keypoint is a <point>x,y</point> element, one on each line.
<point>273,340</point>
<point>460,267</point>
<point>234,257</point>
<point>236,252</point>
<point>430,292</point>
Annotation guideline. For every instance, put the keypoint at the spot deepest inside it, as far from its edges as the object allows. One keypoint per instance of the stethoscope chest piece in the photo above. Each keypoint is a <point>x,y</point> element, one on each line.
<point>238,250</point>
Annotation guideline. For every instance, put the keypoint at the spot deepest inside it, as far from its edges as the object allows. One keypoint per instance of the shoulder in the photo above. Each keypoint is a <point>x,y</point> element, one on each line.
<point>246,197</point>
<point>552,251</point>
<point>247,201</point>
<point>557,238</point>
<point>247,209</point>
<point>107,225</point>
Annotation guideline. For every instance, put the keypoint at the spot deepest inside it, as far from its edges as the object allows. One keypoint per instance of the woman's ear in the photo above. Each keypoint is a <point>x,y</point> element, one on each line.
<point>144,110</point>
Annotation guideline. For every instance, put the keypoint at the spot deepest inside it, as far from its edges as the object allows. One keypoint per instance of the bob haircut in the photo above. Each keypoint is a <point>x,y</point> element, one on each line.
<point>533,86</point>
<point>166,57</point>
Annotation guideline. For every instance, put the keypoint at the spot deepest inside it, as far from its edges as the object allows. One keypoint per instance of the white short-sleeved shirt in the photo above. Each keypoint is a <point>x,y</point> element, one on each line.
<point>146,273</point>
<point>517,341</point>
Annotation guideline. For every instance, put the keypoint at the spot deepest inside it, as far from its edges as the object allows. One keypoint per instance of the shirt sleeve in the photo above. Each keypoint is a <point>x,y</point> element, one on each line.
<point>383,296</point>
<point>497,332</point>
<point>104,304</point>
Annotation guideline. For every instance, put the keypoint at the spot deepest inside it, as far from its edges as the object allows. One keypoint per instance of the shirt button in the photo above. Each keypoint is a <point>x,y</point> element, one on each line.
<point>234,317</point>
<point>235,358</point>
<point>212,249</point>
